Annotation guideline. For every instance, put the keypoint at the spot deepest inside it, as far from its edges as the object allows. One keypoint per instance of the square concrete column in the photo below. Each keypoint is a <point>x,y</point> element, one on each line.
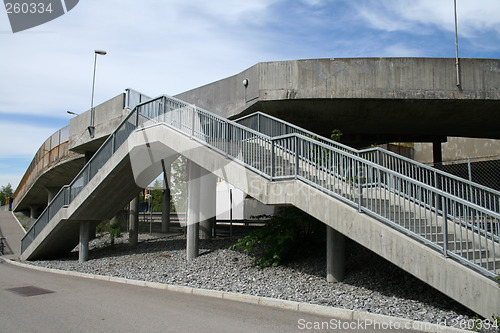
<point>335,255</point>
<point>83,247</point>
<point>133,226</point>
<point>193,212</point>
<point>51,193</point>
<point>35,211</point>
<point>208,192</point>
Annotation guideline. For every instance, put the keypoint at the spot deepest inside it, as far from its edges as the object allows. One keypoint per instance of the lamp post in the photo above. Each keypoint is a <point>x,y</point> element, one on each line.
<point>72,113</point>
<point>91,127</point>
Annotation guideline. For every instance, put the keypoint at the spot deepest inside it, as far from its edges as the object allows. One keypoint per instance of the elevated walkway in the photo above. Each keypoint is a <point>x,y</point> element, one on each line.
<point>440,237</point>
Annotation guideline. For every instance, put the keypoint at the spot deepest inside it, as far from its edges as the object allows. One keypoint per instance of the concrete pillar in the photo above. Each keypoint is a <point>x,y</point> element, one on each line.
<point>335,255</point>
<point>165,210</point>
<point>83,254</point>
<point>193,211</point>
<point>133,226</point>
<point>208,191</point>
<point>35,211</point>
<point>437,152</point>
<point>51,193</point>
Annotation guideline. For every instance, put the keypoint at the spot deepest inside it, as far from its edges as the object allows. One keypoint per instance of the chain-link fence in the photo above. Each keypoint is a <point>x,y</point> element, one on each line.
<point>482,170</point>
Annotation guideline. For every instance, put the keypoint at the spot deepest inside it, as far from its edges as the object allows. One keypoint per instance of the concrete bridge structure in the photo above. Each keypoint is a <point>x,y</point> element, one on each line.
<point>441,229</point>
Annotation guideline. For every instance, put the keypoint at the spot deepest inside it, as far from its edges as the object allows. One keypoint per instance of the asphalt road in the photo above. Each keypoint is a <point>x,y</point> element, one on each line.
<point>86,305</point>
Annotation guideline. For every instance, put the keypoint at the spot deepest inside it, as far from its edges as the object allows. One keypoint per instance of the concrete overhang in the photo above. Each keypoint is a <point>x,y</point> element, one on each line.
<point>107,117</point>
<point>370,100</point>
<point>53,179</point>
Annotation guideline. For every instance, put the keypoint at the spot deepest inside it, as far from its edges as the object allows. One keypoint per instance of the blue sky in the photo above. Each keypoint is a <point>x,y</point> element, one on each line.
<point>170,46</point>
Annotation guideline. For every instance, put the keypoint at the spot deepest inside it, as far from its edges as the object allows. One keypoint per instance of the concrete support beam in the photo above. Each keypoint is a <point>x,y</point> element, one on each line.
<point>437,152</point>
<point>35,211</point>
<point>51,193</point>
<point>335,255</point>
<point>165,199</point>
<point>165,210</point>
<point>133,227</point>
<point>193,213</point>
<point>83,254</point>
<point>208,191</point>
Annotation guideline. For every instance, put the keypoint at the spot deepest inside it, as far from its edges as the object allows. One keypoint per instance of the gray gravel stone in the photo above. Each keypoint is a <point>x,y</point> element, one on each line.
<point>371,284</point>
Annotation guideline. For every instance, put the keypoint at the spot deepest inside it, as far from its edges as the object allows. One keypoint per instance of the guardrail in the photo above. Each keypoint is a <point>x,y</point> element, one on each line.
<point>51,151</point>
<point>460,229</point>
<point>478,194</point>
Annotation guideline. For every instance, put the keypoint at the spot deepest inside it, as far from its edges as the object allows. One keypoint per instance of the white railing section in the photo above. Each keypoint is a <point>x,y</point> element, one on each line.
<point>465,231</point>
<point>480,195</point>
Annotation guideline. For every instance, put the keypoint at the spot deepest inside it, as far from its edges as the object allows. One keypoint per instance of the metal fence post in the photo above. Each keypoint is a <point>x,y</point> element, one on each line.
<point>469,169</point>
<point>272,159</point>
<point>445,225</point>
<point>360,189</point>
<point>113,143</point>
<point>226,138</point>
<point>297,159</point>
<point>192,124</point>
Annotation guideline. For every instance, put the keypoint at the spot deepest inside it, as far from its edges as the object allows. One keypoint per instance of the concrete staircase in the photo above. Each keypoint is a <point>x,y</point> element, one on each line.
<point>367,209</point>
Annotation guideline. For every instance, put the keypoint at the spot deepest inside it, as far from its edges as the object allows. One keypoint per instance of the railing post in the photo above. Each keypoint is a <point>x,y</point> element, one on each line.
<point>445,224</point>
<point>192,124</point>
<point>136,117</point>
<point>360,189</point>
<point>113,143</point>
<point>297,159</point>
<point>226,138</point>
<point>164,109</point>
<point>273,165</point>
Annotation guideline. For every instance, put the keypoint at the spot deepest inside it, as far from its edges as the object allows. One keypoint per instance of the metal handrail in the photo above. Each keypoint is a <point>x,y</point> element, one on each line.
<point>466,189</point>
<point>442,220</point>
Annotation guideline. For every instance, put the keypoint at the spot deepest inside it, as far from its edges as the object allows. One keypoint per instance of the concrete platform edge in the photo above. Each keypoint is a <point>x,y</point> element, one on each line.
<point>342,314</point>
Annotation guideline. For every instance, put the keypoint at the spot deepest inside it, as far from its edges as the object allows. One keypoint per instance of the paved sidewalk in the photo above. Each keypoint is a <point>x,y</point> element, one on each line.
<point>13,233</point>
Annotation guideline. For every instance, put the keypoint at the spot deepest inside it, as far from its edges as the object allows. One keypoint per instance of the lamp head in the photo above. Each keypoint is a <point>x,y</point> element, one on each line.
<point>100,52</point>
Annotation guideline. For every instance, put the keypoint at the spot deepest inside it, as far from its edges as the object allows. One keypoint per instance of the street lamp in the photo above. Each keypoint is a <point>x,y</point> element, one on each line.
<point>71,112</point>
<point>91,127</point>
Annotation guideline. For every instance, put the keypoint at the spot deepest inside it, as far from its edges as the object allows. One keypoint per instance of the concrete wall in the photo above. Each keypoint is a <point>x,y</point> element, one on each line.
<point>108,116</point>
<point>371,100</point>
<point>367,78</point>
<point>244,207</point>
<point>457,148</point>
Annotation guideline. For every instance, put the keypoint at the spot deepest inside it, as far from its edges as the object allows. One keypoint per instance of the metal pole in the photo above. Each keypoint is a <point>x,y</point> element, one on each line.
<point>230,214</point>
<point>150,213</point>
<point>469,169</point>
<point>457,60</point>
<point>91,126</point>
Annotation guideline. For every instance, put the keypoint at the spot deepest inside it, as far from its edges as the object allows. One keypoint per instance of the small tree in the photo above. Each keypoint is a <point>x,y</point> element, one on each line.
<point>157,196</point>
<point>6,193</point>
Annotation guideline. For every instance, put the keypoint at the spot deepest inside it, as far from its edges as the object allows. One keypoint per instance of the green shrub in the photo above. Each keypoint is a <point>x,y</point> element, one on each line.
<point>289,234</point>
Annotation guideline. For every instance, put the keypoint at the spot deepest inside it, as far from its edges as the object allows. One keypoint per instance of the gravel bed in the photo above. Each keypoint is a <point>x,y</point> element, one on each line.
<point>371,284</point>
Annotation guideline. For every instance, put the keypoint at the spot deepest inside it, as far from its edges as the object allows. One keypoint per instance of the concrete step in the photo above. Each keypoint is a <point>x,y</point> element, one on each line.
<point>488,263</point>
<point>471,253</point>
<point>459,245</point>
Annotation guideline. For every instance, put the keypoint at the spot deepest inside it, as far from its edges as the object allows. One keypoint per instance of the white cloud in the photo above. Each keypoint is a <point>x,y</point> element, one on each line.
<point>23,141</point>
<point>10,178</point>
<point>401,50</point>
<point>395,15</point>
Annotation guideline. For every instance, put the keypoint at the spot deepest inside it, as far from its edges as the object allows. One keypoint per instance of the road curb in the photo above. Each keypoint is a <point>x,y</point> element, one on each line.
<point>384,322</point>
